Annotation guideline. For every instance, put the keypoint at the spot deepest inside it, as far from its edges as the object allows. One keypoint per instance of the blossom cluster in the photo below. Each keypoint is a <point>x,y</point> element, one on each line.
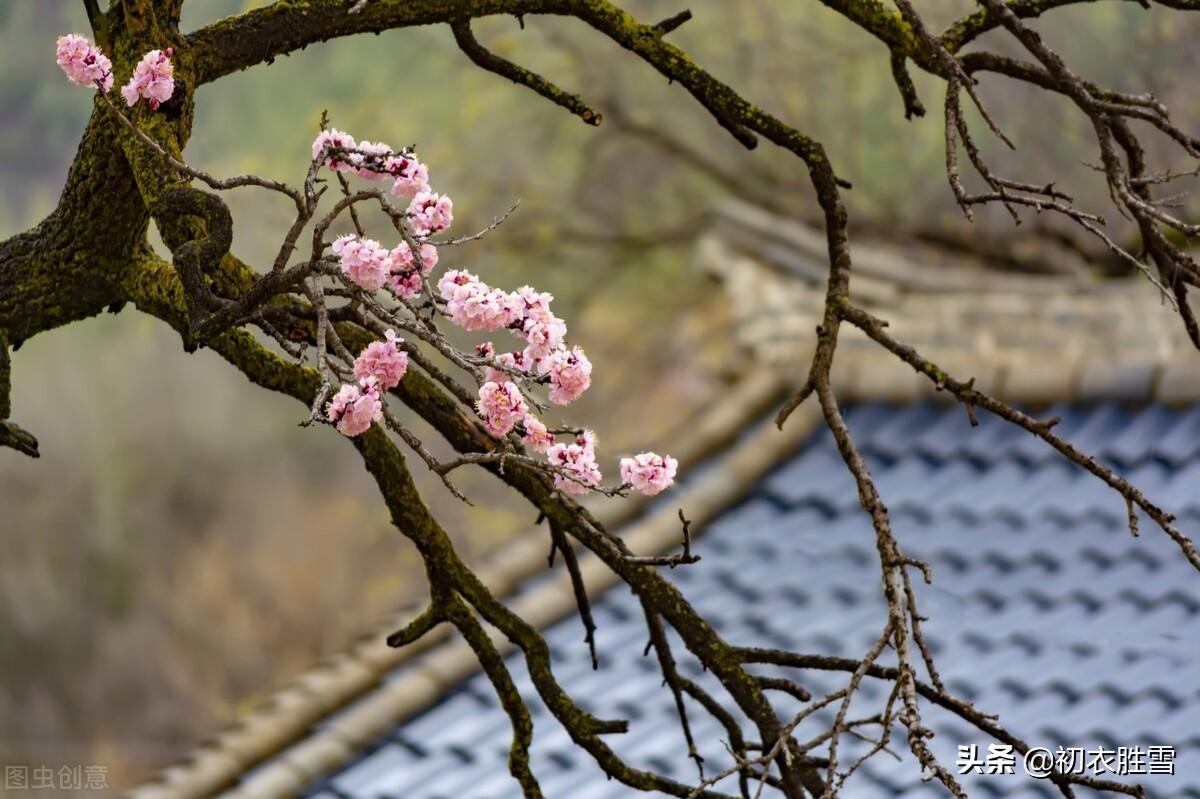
<point>377,161</point>
<point>578,461</point>
<point>475,306</point>
<point>153,78</point>
<point>379,367</point>
<point>371,266</point>
<point>354,408</point>
<point>648,472</point>
<point>86,65</point>
<point>462,297</point>
<point>83,62</point>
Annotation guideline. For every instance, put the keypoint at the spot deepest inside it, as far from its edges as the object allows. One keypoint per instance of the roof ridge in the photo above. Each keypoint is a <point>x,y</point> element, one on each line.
<point>1032,339</point>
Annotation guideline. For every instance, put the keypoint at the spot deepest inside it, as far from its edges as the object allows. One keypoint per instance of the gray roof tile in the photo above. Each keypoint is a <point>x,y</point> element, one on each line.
<point>1043,609</point>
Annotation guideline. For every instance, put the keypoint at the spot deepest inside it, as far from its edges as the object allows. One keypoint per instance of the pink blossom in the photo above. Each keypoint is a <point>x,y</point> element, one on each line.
<point>366,166</point>
<point>364,261</point>
<point>537,437</point>
<point>334,138</point>
<point>534,302</point>
<point>153,78</point>
<point>578,459</point>
<point>649,473</point>
<point>406,284</point>
<point>83,62</point>
<point>354,409</point>
<point>429,256</point>
<point>382,360</point>
<point>570,375</point>
<point>513,360</point>
<point>403,260</point>
<point>473,305</point>
<point>501,405</point>
<point>404,279</point>
<point>545,335</point>
<point>539,327</point>
<point>411,175</point>
<point>430,213</point>
<point>453,282</point>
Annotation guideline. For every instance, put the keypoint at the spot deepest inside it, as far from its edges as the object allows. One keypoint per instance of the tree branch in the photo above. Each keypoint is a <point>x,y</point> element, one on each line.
<point>517,74</point>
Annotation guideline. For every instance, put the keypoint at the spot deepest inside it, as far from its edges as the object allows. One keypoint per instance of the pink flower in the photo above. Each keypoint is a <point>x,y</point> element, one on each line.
<point>354,409</point>
<point>514,360</point>
<point>83,62</point>
<point>578,460</point>
<point>404,279</point>
<point>402,257</point>
<point>153,78</point>
<point>411,175</point>
<point>364,261</point>
<point>473,305</point>
<point>369,162</point>
<point>544,337</point>
<point>649,473</point>
<point>382,360</point>
<point>533,302</point>
<point>334,138</point>
<point>541,329</point>
<point>430,213</point>
<point>501,405</point>
<point>454,282</point>
<point>406,284</point>
<point>570,375</point>
<point>429,256</point>
<point>537,437</point>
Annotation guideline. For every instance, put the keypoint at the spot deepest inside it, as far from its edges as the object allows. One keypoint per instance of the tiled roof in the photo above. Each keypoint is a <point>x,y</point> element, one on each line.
<point>1043,609</point>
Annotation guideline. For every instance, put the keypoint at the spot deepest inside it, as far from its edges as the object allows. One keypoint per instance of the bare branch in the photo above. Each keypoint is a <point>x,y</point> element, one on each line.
<point>506,69</point>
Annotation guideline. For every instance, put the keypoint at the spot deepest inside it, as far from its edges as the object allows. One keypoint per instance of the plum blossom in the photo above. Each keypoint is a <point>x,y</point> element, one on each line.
<point>411,176</point>
<point>473,305</point>
<point>544,337</point>
<point>534,302</point>
<point>354,409</point>
<point>334,138</point>
<point>403,260</point>
<point>513,360</point>
<point>539,327</point>
<point>648,472</point>
<point>404,279</point>
<point>429,256</point>
<point>364,261</point>
<point>364,165</point>
<point>578,460</point>
<point>570,375</point>
<point>382,360</point>
<point>502,406</point>
<point>83,62</point>
<point>153,78</point>
<point>537,437</point>
<point>406,284</point>
<point>430,213</point>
